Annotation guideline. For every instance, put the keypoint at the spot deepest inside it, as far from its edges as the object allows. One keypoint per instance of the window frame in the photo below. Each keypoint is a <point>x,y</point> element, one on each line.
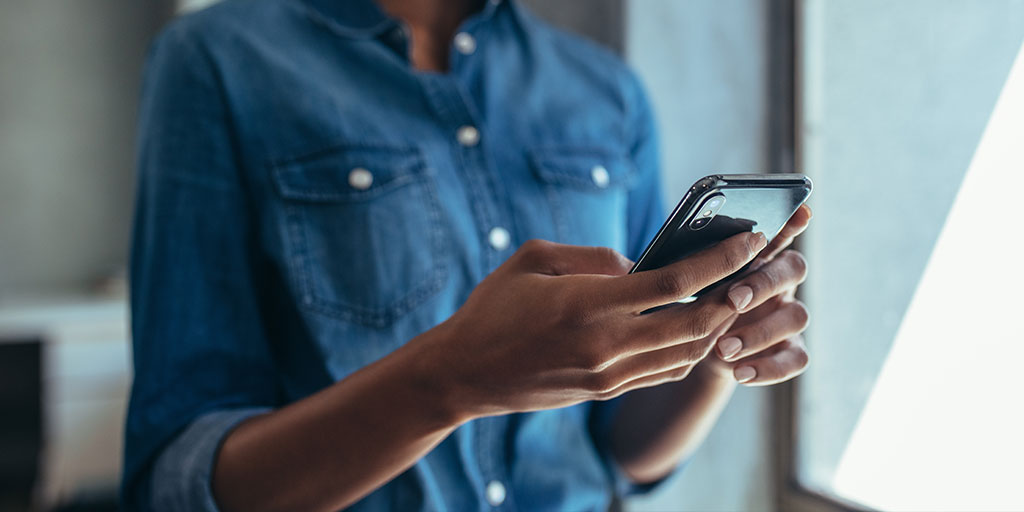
<point>784,63</point>
<point>791,494</point>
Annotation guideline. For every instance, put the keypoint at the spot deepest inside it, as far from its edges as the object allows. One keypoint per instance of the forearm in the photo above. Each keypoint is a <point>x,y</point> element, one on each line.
<point>332,448</point>
<point>655,428</point>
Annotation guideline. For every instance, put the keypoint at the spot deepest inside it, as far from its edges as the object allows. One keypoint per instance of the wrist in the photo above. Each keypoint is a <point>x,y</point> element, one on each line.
<point>430,381</point>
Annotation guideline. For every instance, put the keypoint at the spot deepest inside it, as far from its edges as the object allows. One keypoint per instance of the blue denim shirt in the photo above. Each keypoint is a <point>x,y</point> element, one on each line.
<point>308,202</point>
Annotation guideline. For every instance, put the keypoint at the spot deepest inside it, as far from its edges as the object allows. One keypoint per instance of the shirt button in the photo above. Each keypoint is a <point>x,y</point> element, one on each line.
<point>499,238</point>
<point>399,33</point>
<point>468,136</point>
<point>600,176</point>
<point>465,43</point>
<point>360,179</point>
<point>495,493</point>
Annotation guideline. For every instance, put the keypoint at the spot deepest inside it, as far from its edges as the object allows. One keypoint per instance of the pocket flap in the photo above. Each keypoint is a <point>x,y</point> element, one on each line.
<point>589,169</point>
<point>347,173</point>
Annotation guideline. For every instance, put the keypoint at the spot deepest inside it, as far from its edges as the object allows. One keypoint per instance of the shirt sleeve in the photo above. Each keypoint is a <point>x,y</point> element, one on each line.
<point>646,213</point>
<point>201,358</point>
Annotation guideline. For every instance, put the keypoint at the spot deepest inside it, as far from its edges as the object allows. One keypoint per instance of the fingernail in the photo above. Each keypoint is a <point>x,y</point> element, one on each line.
<point>744,373</point>
<point>729,347</point>
<point>741,297</point>
<point>758,242</point>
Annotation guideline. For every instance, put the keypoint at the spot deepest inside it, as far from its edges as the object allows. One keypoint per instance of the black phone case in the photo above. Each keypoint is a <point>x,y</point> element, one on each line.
<point>753,202</point>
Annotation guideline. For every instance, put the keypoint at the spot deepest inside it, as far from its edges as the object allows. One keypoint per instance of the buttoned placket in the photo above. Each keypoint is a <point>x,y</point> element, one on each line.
<point>491,434</point>
<point>454,107</point>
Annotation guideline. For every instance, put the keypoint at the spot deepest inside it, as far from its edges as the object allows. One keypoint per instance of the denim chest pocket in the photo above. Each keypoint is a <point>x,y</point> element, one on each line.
<point>363,231</point>
<point>587,189</point>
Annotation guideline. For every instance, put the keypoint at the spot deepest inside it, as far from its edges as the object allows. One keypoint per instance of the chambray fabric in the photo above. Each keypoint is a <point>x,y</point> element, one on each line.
<point>262,272</point>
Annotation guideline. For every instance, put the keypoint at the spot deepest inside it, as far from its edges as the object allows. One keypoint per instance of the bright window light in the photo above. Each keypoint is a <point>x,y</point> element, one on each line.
<point>943,428</point>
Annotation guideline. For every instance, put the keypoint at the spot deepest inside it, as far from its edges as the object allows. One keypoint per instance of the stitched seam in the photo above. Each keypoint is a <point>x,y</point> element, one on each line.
<point>489,180</point>
<point>558,217</point>
<point>299,261</point>
<point>551,172</point>
<point>348,196</point>
<point>303,155</point>
<point>436,99</point>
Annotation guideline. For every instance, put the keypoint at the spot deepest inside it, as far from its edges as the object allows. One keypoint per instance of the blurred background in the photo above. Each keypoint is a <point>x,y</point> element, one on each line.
<point>908,115</point>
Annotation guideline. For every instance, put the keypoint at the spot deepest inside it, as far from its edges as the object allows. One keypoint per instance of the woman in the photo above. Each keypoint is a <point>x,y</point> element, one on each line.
<point>325,185</point>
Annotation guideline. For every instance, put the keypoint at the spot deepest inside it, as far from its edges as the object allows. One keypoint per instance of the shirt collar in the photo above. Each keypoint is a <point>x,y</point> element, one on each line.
<point>364,19</point>
<point>353,18</point>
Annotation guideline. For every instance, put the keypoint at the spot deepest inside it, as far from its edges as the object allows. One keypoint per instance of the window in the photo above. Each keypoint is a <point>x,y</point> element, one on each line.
<point>911,123</point>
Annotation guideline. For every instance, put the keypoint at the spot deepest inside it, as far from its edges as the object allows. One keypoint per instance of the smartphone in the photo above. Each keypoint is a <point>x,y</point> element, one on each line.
<point>722,205</point>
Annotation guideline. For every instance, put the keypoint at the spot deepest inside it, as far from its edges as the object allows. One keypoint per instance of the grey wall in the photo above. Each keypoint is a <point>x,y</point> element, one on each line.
<point>704,65</point>
<point>67,108</point>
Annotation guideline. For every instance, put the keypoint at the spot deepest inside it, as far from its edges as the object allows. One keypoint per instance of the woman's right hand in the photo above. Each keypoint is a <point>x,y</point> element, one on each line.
<point>556,325</point>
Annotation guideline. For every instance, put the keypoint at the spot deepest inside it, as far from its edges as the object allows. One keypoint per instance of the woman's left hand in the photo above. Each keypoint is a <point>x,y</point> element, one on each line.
<point>764,346</point>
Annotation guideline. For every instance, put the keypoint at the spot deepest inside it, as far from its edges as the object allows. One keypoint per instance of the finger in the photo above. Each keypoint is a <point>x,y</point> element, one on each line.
<point>775,277</point>
<point>683,352</point>
<point>679,323</point>
<point>777,364</point>
<point>648,381</point>
<point>651,288</point>
<point>796,225</point>
<point>786,321</point>
<point>762,311</point>
<point>556,259</point>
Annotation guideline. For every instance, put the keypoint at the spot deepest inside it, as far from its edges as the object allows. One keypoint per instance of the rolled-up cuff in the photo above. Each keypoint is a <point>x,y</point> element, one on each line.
<point>182,475</point>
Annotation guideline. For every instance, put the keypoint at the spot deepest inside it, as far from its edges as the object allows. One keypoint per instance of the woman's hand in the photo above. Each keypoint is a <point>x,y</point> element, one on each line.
<point>763,346</point>
<point>558,325</point>
<point>655,428</point>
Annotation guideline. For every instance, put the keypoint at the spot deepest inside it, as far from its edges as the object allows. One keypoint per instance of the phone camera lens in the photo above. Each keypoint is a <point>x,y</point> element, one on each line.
<point>699,223</point>
<point>707,212</point>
